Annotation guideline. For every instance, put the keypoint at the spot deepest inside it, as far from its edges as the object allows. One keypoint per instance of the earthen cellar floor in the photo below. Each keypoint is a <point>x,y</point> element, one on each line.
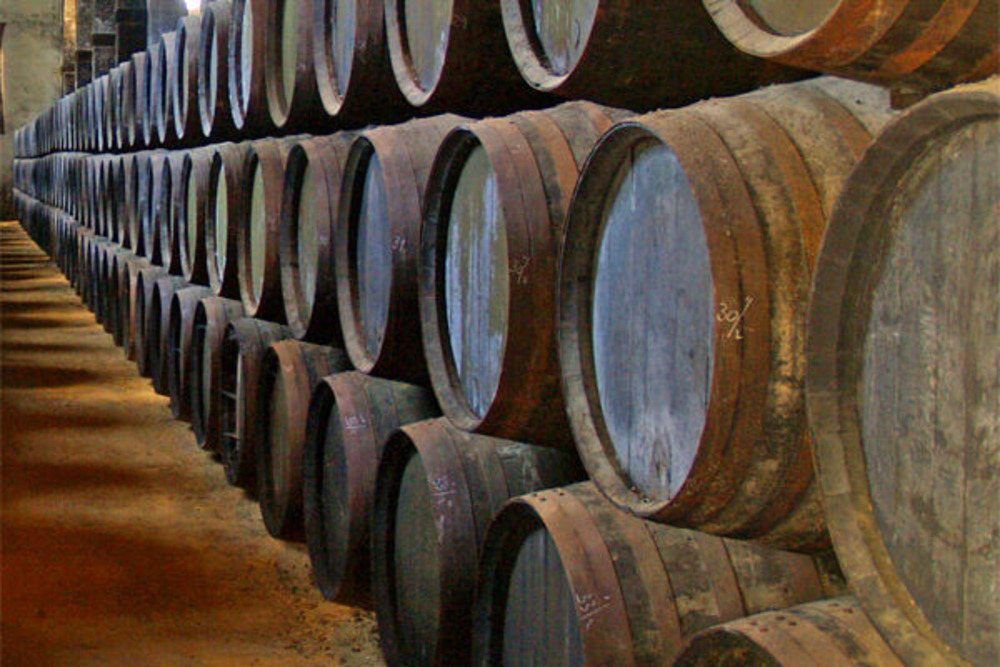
<point>122,544</point>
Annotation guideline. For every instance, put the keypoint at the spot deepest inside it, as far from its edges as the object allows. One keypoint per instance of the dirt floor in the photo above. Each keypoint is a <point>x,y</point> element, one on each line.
<point>122,544</point>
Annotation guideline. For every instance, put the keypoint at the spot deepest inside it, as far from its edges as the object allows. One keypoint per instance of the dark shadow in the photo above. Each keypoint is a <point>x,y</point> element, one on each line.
<point>18,376</point>
<point>44,348</point>
<point>33,322</point>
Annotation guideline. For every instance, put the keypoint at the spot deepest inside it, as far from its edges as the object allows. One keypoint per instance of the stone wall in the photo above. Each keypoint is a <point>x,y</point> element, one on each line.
<point>32,79</point>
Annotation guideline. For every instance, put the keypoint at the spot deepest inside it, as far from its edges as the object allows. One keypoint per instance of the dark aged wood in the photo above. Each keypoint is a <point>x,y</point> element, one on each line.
<point>289,79</point>
<point>148,96</point>
<point>143,295</point>
<point>162,94</point>
<point>685,393</point>
<point>258,236</point>
<point>248,31</point>
<point>350,419</point>
<point>919,45</point>
<point>437,490</point>
<point>130,95</point>
<point>191,214</point>
<point>210,319</point>
<point>130,215</point>
<point>350,59</point>
<point>226,212</point>
<point>376,246</point>
<point>140,92</point>
<point>158,219</point>
<point>449,55</point>
<point>130,298</point>
<point>621,590</point>
<point>309,215</point>
<point>173,208</point>
<point>213,73</point>
<point>613,51</point>
<point>828,633</point>
<point>289,372</point>
<point>243,346</point>
<point>180,329</point>
<point>184,94</point>
<point>119,281</point>
<point>150,173</point>
<point>112,106</point>
<point>158,330</point>
<point>117,203</point>
<point>495,208</point>
<point>902,390</point>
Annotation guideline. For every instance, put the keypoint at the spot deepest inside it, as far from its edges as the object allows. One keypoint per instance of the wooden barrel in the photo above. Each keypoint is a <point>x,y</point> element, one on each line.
<point>310,209</point>
<point>191,200</point>
<point>161,209</point>
<point>148,96</point>
<point>351,416</point>
<point>226,201</point>
<point>171,223</point>
<point>213,72</point>
<point>180,329</point>
<point>184,96</point>
<point>112,106</point>
<point>686,394</point>
<point>495,209</point>
<point>129,298</point>
<point>119,282</point>
<point>131,214</point>
<point>921,45</point>
<point>827,633</point>
<point>289,372</point>
<point>142,295</point>
<point>567,578</point>
<point>350,59</point>
<point>131,109</point>
<point>161,97</point>
<point>376,245</point>
<point>258,235</point>
<point>210,319</point>
<point>902,389</point>
<point>149,183</point>
<point>248,31</point>
<point>158,330</point>
<point>436,492</point>
<point>289,80</point>
<point>610,51</point>
<point>117,201</point>
<point>244,343</point>
<point>450,56</point>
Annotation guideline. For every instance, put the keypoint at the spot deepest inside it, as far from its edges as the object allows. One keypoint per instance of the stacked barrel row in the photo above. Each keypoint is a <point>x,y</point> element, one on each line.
<point>633,293</point>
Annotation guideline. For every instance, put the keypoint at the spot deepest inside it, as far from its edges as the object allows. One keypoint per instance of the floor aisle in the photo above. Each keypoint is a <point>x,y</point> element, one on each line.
<point>122,544</point>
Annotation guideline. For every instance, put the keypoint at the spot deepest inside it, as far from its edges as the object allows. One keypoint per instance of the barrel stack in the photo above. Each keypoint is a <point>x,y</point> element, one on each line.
<point>572,332</point>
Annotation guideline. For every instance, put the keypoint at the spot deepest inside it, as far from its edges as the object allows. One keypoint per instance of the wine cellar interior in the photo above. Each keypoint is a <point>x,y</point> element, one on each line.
<point>500,332</point>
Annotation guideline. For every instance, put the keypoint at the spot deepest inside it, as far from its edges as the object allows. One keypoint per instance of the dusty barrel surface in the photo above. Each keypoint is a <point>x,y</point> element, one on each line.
<point>259,234</point>
<point>244,343</point>
<point>924,45</point>
<point>184,90</point>
<point>309,215</point>
<point>437,490</point>
<point>686,394</point>
<point>829,632</point>
<point>149,184</point>
<point>495,210</point>
<point>377,245</point>
<point>351,416</point>
<point>248,30</point>
<point>192,202</point>
<point>130,109</point>
<point>172,208</point>
<point>289,79</point>
<point>450,55</point>
<point>614,52</point>
<point>131,217</point>
<point>180,330</point>
<point>214,113</point>
<point>351,58</point>
<point>158,330</point>
<point>289,372</point>
<point>902,392</point>
<point>161,96</point>
<point>210,319</point>
<point>567,578</point>
<point>226,212</point>
<point>150,94</point>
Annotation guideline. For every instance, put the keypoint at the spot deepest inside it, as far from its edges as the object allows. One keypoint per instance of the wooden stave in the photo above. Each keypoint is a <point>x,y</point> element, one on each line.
<point>661,584</point>
<point>211,316</point>
<point>828,632</point>
<point>162,99</point>
<point>834,422</point>
<point>254,120</point>
<point>865,40</point>
<point>373,71</point>
<point>319,321</point>
<point>533,147</point>
<point>229,160</point>
<point>180,328</point>
<point>452,457</point>
<point>158,329</point>
<point>143,295</point>
<point>218,124</point>
<point>128,295</point>
<point>196,165</point>
<point>120,278</point>
<point>697,132</point>
<point>154,53</point>
<point>299,367</point>
<point>406,152</point>
<point>368,409</point>
<point>184,92</point>
<point>244,341</point>
<point>295,109</point>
